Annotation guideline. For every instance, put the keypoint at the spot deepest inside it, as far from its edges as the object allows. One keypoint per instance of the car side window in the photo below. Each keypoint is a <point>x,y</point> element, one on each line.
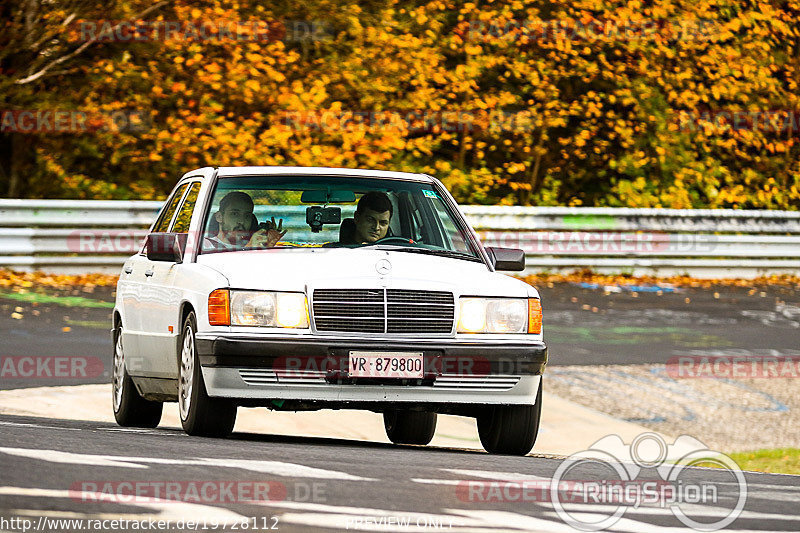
<point>166,216</point>
<point>454,238</point>
<point>187,208</point>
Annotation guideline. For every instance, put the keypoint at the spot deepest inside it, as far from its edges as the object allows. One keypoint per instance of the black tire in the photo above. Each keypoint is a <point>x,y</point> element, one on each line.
<point>511,429</point>
<point>200,415</point>
<point>409,427</point>
<point>130,409</point>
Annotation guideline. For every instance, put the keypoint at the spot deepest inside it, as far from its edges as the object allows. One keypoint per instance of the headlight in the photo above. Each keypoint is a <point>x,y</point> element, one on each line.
<point>493,315</point>
<point>291,310</point>
<point>269,309</point>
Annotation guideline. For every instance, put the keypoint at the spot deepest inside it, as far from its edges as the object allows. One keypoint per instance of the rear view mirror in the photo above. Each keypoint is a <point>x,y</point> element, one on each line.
<point>317,216</point>
<point>508,259</point>
<point>166,246</point>
<point>327,197</point>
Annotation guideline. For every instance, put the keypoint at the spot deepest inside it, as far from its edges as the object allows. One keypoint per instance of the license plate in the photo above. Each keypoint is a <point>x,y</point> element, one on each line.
<point>385,365</point>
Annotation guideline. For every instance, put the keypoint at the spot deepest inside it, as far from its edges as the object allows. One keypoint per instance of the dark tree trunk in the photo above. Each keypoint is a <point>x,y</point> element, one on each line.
<point>15,165</point>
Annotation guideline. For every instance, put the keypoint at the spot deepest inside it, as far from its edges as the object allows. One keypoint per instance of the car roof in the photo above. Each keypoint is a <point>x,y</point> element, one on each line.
<point>223,172</point>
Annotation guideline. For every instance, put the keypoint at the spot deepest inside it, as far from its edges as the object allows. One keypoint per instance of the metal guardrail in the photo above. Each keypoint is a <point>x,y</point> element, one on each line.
<point>83,236</point>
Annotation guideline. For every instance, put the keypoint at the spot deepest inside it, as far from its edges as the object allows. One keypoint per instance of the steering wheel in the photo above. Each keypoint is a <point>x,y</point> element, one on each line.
<point>396,240</point>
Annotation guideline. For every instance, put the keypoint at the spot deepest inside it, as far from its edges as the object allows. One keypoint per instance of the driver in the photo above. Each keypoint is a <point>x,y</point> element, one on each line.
<point>235,218</point>
<point>372,217</point>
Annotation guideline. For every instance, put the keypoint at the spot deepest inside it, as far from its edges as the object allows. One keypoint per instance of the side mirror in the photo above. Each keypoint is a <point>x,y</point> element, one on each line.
<point>510,259</point>
<point>166,247</point>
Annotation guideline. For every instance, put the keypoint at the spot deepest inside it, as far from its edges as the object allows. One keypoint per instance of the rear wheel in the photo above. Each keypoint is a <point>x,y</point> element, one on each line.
<point>511,429</point>
<point>130,409</point>
<point>200,414</point>
<point>409,427</point>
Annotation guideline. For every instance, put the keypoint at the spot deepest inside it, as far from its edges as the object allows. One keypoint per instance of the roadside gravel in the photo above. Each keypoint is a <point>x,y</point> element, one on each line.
<point>728,415</point>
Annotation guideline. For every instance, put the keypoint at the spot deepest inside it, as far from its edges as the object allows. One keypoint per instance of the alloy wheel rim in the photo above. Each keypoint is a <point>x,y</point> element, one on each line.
<point>187,373</point>
<point>119,370</point>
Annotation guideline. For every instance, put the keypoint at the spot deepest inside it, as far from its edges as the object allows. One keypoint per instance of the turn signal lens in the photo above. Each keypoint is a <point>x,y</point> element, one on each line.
<point>219,308</point>
<point>534,315</point>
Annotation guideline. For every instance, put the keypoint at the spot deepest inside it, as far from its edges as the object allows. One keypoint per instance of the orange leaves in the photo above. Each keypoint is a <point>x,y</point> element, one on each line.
<point>583,104</point>
<point>587,276</point>
<point>31,280</point>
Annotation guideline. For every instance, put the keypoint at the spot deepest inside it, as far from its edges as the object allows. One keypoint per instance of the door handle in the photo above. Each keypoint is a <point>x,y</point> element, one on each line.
<point>149,273</point>
<point>128,270</point>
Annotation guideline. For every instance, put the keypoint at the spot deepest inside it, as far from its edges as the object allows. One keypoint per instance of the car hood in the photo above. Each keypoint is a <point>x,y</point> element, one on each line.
<point>309,268</point>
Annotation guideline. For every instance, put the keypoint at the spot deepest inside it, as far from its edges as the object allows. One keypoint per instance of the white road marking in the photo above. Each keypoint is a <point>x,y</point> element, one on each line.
<point>691,510</point>
<point>495,476</point>
<point>771,496</point>
<point>369,519</point>
<point>167,509</point>
<point>757,485</point>
<point>626,524</point>
<point>50,513</point>
<point>437,481</point>
<point>144,431</point>
<point>593,513</point>
<point>21,424</point>
<point>279,468</point>
<point>518,522</point>
<point>55,456</point>
<point>276,468</point>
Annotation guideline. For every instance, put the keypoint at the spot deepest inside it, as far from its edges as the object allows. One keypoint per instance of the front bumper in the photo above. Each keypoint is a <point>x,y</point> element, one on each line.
<point>316,369</point>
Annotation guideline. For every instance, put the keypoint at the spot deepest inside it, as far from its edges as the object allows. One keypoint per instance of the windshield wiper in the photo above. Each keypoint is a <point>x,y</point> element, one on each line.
<point>441,253</point>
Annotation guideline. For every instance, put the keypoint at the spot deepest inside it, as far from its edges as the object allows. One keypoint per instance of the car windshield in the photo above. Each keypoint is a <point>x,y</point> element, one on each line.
<point>290,212</point>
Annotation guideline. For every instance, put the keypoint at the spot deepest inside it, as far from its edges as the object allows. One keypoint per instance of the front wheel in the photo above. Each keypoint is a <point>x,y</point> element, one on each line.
<point>201,415</point>
<point>511,429</point>
<point>130,409</point>
<point>409,427</point>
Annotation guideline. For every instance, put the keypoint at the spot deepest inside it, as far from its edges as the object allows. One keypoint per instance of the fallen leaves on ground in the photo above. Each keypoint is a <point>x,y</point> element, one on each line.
<point>587,276</point>
<point>14,279</point>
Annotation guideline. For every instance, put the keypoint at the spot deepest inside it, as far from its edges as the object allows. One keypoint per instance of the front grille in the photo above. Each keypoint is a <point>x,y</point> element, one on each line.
<point>383,311</point>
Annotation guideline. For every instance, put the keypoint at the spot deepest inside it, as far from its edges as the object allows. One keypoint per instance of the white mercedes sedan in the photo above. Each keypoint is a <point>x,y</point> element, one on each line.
<point>326,288</point>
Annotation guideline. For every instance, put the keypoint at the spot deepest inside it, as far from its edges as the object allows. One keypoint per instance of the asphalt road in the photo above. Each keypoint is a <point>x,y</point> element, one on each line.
<point>77,470</point>
<point>582,325</point>
<point>65,470</point>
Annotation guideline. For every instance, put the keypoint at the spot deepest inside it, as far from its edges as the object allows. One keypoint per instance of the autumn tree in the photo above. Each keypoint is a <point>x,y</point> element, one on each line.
<point>618,102</point>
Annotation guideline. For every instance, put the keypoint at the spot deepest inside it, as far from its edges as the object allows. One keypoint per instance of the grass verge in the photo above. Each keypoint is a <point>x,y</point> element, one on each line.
<point>774,461</point>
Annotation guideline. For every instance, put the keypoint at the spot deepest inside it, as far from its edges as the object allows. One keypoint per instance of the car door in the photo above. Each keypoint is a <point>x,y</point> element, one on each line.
<point>160,322</point>
<point>133,291</point>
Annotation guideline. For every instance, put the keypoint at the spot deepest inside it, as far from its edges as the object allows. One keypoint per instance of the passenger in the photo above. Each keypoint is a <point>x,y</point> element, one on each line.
<point>236,225</point>
<point>372,217</point>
